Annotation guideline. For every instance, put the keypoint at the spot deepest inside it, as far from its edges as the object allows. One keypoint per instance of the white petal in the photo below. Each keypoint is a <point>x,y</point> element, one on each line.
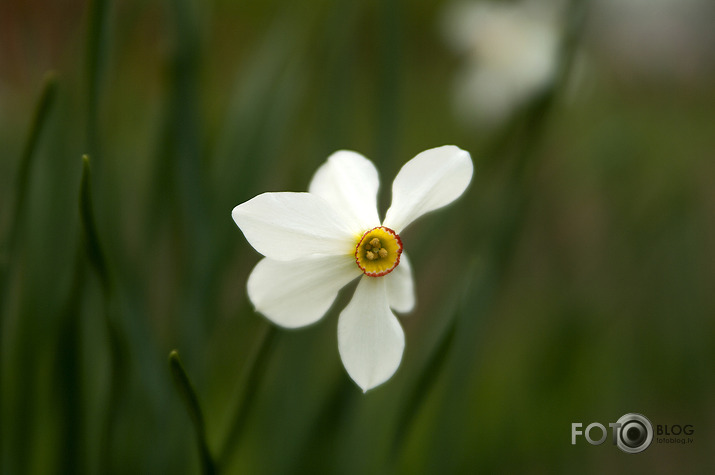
<point>370,339</point>
<point>297,293</point>
<point>432,179</point>
<point>349,182</point>
<point>401,286</point>
<point>286,226</point>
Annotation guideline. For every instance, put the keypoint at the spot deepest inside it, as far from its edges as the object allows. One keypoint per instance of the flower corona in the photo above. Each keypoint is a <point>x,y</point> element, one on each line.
<point>378,252</point>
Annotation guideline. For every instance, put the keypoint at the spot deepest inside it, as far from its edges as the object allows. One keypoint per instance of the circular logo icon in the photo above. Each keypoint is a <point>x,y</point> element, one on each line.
<point>634,434</point>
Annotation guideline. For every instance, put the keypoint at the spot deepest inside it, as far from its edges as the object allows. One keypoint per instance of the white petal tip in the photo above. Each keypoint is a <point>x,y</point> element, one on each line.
<point>235,213</point>
<point>431,180</point>
<point>286,226</point>
<point>404,311</point>
<point>370,339</point>
<point>370,387</point>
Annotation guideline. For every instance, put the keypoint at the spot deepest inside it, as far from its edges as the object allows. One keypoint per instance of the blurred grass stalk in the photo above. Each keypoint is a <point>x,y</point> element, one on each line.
<point>188,395</point>
<point>67,378</point>
<point>22,183</point>
<point>96,51</point>
<point>96,54</point>
<point>10,259</point>
<point>117,352</point>
<point>255,368</point>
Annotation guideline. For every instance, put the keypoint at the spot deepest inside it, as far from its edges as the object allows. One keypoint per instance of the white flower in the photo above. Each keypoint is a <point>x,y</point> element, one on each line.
<point>510,51</point>
<point>317,242</point>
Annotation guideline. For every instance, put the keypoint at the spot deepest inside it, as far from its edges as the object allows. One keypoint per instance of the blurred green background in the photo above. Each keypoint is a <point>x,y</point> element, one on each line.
<point>573,282</point>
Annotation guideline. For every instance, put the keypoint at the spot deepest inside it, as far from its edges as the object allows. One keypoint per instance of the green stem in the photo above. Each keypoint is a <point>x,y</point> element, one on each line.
<point>250,383</point>
<point>421,388</point>
<point>188,395</point>
<point>96,53</point>
<point>91,237</point>
<point>117,353</point>
<point>9,258</point>
<point>388,78</point>
<point>39,122</point>
<point>431,369</point>
<point>68,377</point>
<point>320,446</point>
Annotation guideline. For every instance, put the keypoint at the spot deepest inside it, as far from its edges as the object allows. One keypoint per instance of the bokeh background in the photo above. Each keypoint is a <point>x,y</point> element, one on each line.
<point>573,282</point>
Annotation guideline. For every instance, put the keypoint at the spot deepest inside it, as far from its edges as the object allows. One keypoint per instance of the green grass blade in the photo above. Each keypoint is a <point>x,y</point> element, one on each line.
<point>96,53</point>
<point>256,369</point>
<point>389,82</point>
<point>67,378</point>
<point>117,344</point>
<point>89,228</point>
<point>188,396</point>
<point>422,386</point>
<point>319,449</point>
<point>39,121</point>
<point>8,251</point>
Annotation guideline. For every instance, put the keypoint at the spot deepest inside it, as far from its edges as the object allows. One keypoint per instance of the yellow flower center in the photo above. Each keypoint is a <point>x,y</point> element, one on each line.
<point>378,252</point>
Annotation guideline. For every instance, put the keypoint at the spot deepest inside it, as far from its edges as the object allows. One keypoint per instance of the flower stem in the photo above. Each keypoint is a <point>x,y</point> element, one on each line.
<point>9,259</point>
<point>188,395</point>
<point>117,353</point>
<point>432,368</point>
<point>67,376</point>
<point>250,383</point>
<point>389,80</point>
<point>95,55</point>
<point>39,121</point>
<point>421,388</point>
<point>89,228</point>
<point>320,446</point>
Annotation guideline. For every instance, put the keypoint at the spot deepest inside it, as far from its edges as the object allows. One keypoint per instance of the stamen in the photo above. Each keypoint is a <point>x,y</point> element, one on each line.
<point>378,251</point>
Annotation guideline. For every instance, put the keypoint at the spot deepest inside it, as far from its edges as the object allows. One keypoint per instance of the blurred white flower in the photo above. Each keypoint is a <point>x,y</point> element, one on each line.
<point>510,52</point>
<point>317,242</point>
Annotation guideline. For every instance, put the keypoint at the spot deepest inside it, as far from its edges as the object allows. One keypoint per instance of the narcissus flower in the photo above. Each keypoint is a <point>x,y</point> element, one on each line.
<point>315,243</point>
<point>511,53</point>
